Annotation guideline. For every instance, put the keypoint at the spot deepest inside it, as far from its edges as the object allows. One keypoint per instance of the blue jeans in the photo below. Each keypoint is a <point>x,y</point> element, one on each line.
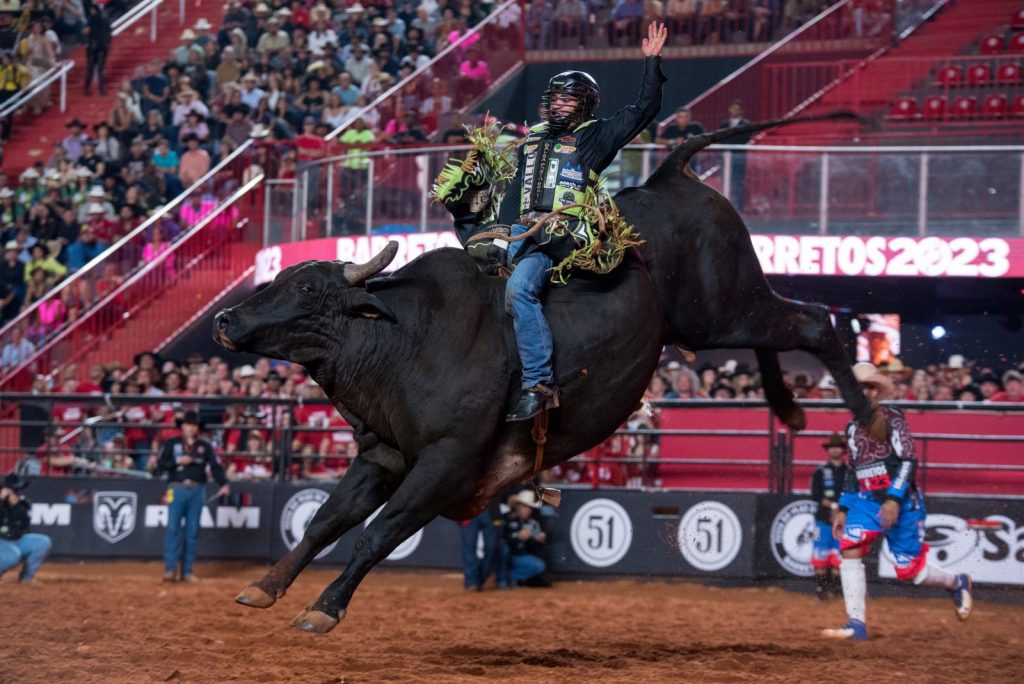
<point>525,566</point>
<point>31,548</point>
<point>186,506</point>
<point>533,336</point>
<point>476,570</point>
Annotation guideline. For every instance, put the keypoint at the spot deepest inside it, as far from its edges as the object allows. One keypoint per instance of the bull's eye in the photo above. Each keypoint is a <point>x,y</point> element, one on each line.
<point>306,290</point>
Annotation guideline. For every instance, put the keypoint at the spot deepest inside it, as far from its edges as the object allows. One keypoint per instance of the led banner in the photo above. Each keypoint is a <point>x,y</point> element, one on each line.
<point>816,255</point>
<point>928,257</point>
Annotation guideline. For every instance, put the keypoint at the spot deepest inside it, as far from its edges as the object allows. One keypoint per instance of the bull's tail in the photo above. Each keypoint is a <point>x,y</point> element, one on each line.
<point>679,159</point>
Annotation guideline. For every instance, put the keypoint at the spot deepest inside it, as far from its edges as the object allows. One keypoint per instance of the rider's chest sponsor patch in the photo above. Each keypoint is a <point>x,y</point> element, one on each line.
<point>571,172</point>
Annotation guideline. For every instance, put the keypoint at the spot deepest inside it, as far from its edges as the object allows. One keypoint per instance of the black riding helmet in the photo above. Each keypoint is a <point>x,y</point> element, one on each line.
<point>580,85</point>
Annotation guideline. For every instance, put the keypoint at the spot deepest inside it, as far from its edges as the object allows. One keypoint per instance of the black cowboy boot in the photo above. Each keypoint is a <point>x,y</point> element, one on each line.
<point>532,401</point>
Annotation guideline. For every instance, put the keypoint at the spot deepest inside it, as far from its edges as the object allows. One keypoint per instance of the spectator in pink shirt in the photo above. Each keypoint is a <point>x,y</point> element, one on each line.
<point>156,250</point>
<point>197,207</point>
<point>476,76</point>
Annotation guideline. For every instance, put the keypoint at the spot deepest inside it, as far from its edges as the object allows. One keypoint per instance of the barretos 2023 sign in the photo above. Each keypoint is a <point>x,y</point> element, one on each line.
<point>815,255</point>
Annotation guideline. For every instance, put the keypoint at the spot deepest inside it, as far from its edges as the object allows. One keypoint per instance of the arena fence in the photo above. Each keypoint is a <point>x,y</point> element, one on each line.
<point>683,444</point>
<point>709,534</point>
<point>780,190</point>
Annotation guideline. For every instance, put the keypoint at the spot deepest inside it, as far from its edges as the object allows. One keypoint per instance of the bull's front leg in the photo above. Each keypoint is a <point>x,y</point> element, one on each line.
<point>443,474</point>
<point>368,483</point>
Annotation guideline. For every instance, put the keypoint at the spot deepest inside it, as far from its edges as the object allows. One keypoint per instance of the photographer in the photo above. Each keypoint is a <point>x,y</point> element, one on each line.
<point>17,545</point>
<point>525,540</point>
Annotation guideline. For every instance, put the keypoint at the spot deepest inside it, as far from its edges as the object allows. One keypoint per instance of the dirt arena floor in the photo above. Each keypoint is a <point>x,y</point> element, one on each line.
<point>117,622</point>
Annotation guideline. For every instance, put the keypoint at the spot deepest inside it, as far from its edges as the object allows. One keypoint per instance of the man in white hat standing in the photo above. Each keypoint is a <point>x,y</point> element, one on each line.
<point>881,499</point>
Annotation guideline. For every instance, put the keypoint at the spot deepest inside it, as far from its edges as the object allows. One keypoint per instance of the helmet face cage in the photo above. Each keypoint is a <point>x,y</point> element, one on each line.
<point>580,85</point>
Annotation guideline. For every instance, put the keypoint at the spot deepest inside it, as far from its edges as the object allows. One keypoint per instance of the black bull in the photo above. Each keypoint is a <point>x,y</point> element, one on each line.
<point>422,363</point>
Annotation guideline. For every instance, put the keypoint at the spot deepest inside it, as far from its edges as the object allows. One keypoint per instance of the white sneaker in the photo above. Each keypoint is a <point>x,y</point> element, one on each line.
<point>854,630</point>
<point>962,598</point>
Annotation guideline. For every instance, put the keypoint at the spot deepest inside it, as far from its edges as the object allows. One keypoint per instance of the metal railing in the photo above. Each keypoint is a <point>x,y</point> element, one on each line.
<point>642,454</point>
<point>881,191</point>
<point>197,267</point>
<point>122,258</point>
<point>437,91</point>
<point>150,7</point>
<point>58,71</point>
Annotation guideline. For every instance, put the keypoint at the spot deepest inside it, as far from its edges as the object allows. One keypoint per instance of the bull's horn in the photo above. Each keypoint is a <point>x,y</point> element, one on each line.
<point>357,273</point>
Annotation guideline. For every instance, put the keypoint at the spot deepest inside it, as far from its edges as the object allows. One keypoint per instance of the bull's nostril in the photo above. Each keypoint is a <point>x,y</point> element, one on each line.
<point>222,321</point>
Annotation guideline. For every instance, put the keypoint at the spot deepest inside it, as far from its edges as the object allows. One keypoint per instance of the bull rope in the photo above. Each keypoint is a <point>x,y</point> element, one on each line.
<point>539,223</point>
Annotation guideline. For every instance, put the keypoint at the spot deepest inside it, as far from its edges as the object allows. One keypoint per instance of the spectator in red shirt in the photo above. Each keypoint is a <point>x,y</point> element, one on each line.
<point>54,457</point>
<point>1013,388</point>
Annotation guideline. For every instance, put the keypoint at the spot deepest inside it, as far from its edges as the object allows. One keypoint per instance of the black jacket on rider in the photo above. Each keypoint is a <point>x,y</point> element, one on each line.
<point>597,142</point>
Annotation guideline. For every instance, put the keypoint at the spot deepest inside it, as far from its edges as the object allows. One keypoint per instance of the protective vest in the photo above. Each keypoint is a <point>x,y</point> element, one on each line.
<point>554,176</point>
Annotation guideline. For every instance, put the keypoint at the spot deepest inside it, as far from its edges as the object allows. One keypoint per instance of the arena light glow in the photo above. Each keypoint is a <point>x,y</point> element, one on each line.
<point>938,332</point>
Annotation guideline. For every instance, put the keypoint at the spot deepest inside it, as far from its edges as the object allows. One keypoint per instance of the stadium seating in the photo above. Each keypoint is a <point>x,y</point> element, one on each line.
<point>1017,43</point>
<point>1018,105</point>
<point>1009,74</point>
<point>964,106</point>
<point>934,107</point>
<point>904,108</point>
<point>1017,21</point>
<point>950,76</point>
<point>992,45</point>
<point>979,74</point>
<point>994,106</point>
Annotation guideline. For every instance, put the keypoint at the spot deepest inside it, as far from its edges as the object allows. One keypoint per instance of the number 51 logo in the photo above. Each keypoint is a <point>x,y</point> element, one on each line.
<point>601,533</point>
<point>709,536</point>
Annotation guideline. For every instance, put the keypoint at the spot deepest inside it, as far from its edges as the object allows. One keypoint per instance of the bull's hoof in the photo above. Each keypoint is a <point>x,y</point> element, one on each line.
<point>795,418</point>
<point>876,427</point>
<point>254,597</point>
<point>316,622</point>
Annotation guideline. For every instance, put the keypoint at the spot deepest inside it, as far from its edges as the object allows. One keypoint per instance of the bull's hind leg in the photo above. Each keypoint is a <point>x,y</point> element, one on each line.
<point>439,479</point>
<point>367,484</point>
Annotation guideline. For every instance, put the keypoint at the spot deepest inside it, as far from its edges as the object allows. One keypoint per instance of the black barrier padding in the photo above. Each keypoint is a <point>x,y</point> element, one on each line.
<point>728,535</point>
<point>125,518</point>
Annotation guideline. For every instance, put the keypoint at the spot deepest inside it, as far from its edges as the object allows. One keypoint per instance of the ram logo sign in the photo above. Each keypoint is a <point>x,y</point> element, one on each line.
<point>113,514</point>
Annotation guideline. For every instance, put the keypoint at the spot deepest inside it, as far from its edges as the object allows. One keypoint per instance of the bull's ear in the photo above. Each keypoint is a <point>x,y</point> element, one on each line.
<point>362,303</point>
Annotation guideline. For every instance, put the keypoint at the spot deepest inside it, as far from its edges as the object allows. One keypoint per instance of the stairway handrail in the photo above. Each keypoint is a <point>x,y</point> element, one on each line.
<point>125,21</point>
<point>423,69</point>
<point>135,277</point>
<point>40,82</point>
<point>97,260</point>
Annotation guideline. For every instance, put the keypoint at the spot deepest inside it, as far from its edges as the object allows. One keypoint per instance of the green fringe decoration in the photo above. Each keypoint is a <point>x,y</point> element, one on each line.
<point>601,252</point>
<point>485,165</point>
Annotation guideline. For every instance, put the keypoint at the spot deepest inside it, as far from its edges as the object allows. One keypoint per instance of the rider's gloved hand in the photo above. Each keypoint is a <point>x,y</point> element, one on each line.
<point>497,257</point>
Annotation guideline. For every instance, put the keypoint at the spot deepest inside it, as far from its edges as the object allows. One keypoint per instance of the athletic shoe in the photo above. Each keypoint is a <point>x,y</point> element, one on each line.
<point>190,578</point>
<point>854,630</point>
<point>962,598</point>
<point>170,577</point>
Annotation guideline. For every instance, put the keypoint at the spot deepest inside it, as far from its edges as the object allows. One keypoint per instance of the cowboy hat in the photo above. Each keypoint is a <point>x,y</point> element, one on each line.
<point>6,192</point>
<point>527,498</point>
<point>259,131</point>
<point>83,172</point>
<point>15,482</point>
<point>357,8</point>
<point>96,191</point>
<point>75,122</point>
<point>896,367</point>
<point>262,8</point>
<point>188,34</point>
<point>834,440</point>
<point>203,25</point>
<point>867,374</point>
<point>29,174</point>
<point>190,418</point>
<point>12,245</point>
<point>956,362</point>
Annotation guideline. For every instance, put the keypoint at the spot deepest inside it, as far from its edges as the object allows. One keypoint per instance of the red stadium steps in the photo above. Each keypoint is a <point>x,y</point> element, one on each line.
<point>150,326</point>
<point>32,138</point>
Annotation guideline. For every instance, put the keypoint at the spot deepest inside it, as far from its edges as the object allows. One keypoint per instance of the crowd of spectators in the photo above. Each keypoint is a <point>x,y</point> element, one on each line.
<point>309,440</point>
<point>557,24</point>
